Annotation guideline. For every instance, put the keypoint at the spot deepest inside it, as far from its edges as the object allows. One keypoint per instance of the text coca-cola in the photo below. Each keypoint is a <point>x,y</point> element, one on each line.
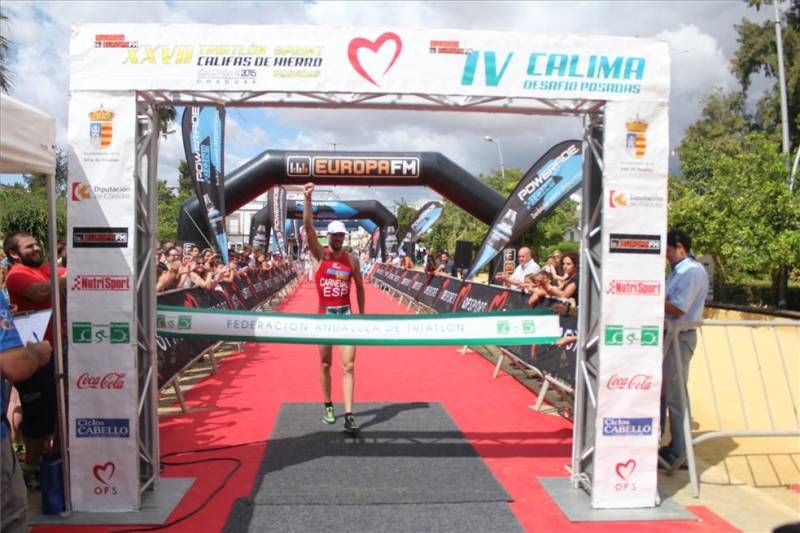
<point>635,382</point>
<point>112,380</point>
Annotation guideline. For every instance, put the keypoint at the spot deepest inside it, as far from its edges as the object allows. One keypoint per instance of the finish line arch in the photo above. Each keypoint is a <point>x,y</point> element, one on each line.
<point>121,73</point>
<point>281,167</point>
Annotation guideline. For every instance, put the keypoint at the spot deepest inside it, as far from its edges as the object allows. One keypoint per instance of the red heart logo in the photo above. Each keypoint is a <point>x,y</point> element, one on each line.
<point>624,470</point>
<point>373,46</point>
<point>104,473</point>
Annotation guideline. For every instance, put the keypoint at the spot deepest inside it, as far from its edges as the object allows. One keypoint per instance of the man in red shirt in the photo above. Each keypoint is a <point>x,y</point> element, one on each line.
<point>337,269</point>
<point>29,288</point>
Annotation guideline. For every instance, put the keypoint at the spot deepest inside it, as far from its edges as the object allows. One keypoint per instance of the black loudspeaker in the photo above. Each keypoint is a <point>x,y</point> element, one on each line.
<point>463,257</point>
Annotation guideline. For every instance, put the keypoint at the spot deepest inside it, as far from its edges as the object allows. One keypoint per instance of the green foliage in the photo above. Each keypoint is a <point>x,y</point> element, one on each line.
<point>758,54</point>
<point>170,201</point>
<point>23,210</point>
<point>405,216</point>
<point>169,205</point>
<point>734,201</point>
<point>37,183</point>
<point>185,183</point>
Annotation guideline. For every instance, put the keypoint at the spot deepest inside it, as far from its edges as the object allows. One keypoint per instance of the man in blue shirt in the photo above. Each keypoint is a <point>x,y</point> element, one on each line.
<point>17,363</point>
<point>687,287</point>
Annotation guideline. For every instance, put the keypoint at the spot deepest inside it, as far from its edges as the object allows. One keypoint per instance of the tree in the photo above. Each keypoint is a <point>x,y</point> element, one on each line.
<point>405,216</point>
<point>22,211</point>
<point>757,54</point>
<point>743,215</point>
<point>165,117</point>
<point>185,182</point>
<point>37,183</point>
<point>5,48</point>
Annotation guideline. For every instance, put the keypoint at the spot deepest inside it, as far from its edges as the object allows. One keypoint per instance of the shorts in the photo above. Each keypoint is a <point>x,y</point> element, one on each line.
<point>335,310</point>
<point>37,395</point>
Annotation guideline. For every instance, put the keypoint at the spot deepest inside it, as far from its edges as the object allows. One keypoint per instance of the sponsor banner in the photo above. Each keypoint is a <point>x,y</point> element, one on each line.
<point>111,381</point>
<point>477,298</point>
<point>556,175</point>
<point>636,139</point>
<point>628,427</point>
<point>367,60</point>
<point>627,203</point>
<point>637,135</point>
<point>629,387</point>
<point>511,327</point>
<point>98,472</point>
<point>366,166</point>
<point>102,428</point>
<point>100,237</point>
<point>626,475</point>
<point>204,144</point>
<point>99,283</point>
<point>100,329</point>
<point>424,220</point>
<point>635,243</point>
<point>102,332</point>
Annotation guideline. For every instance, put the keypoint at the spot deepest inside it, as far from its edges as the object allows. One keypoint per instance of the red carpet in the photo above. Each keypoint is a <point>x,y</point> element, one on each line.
<point>239,405</point>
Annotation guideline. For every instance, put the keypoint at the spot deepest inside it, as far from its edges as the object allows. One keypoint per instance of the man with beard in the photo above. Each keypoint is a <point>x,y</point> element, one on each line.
<point>336,270</point>
<point>30,289</point>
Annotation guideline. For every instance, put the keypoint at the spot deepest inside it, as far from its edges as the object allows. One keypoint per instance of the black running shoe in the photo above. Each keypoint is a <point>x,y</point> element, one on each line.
<point>350,424</point>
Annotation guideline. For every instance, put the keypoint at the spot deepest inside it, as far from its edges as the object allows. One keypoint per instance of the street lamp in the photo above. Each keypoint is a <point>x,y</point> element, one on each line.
<point>489,139</point>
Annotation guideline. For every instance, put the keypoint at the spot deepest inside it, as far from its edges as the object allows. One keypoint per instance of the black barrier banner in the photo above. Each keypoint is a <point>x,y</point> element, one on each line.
<point>232,295</point>
<point>393,277</point>
<point>203,143</point>
<point>556,175</point>
<point>477,298</point>
<point>174,353</point>
<point>431,289</point>
<point>446,297</point>
<point>558,361</point>
<point>417,284</point>
<point>247,291</point>
<point>405,282</point>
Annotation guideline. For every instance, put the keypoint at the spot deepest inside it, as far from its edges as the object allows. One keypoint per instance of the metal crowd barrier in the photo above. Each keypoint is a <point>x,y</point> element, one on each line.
<point>748,371</point>
<point>548,380</point>
<point>174,382</point>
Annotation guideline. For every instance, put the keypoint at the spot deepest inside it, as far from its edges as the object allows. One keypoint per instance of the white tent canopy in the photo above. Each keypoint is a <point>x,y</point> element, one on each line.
<point>27,138</point>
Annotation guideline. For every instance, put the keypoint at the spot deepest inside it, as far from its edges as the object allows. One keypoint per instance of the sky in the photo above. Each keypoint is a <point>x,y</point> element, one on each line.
<point>701,36</point>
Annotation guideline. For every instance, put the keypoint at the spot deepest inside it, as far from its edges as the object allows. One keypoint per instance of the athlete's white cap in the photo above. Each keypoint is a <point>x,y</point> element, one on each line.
<point>336,227</point>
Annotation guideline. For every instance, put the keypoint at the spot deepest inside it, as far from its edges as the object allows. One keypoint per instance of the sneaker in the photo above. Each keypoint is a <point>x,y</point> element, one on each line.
<point>329,417</point>
<point>350,424</point>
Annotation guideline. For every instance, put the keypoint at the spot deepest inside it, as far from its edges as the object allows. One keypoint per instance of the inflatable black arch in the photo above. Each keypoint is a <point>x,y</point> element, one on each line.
<point>280,167</point>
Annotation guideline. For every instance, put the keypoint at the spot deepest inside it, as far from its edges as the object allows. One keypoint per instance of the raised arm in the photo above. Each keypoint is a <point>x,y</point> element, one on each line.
<point>308,222</point>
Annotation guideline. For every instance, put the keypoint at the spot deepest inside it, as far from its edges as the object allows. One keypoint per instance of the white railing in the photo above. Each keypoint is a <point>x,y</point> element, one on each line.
<point>744,382</point>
